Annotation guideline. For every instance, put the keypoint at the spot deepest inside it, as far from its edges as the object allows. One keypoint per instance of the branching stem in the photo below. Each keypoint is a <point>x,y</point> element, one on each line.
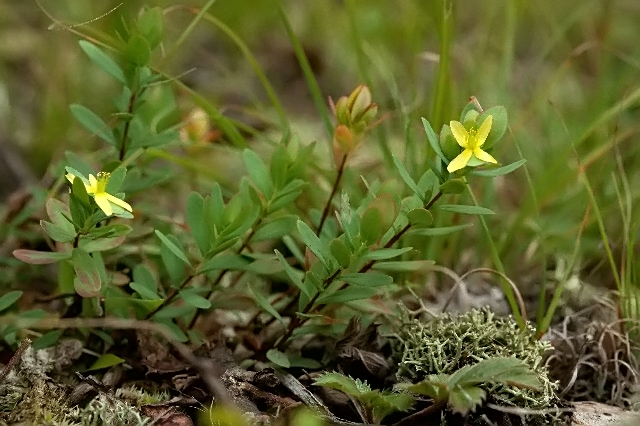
<point>310,308</point>
<point>327,207</point>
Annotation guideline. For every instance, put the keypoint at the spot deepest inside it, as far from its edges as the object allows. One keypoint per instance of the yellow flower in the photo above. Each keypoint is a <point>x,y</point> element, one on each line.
<point>98,188</point>
<point>472,142</point>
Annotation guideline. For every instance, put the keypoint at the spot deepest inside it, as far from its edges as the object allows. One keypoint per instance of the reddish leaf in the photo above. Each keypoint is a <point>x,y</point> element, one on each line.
<point>35,257</point>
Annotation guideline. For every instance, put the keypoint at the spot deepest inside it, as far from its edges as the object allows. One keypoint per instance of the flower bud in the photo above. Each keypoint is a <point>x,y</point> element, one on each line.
<point>196,127</point>
<point>343,142</point>
<point>356,111</point>
<point>359,101</point>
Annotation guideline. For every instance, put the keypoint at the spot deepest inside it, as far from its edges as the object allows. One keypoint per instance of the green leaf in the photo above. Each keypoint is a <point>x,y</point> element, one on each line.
<point>48,339</point>
<point>264,304</point>
<point>443,230</point>
<point>448,143</point>
<point>58,213</point>
<point>287,195</point>
<point>40,257</point>
<point>428,185</point>
<point>404,174</point>
<point>175,267</point>
<point>434,386</point>
<point>371,226</point>
<point>348,294</point>
<point>103,61</point>
<point>137,51</point>
<point>507,370</point>
<point>433,140</point>
<point>470,107</point>
<point>339,382</point>
<point>101,244</point>
<point>214,210</point>
<point>258,172</point>
<point>177,251</point>
<point>77,163</point>
<point>191,297</point>
<point>116,179</point>
<point>221,245</point>
<point>498,127</point>
<point>387,253</point>
<point>66,274</point>
<point>233,209</point>
<point>340,252</point>
<point>370,279</point>
<point>420,218</point>
<point>105,361</point>
<point>274,229</point>
<point>144,282</point>
<point>151,26</point>
<point>265,266</point>
<point>62,234</point>
<point>173,311</point>
<point>404,266</point>
<point>196,222</point>
<point>278,165</point>
<point>377,218</point>
<point>88,281</point>
<point>92,122</point>
<point>243,219</point>
<point>464,209</point>
<point>223,261</point>
<point>453,186</point>
<point>143,291</point>
<point>295,276</point>
<point>463,399</point>
<point>32,316</point>
<point>79,192</point>
<point>174,330</point>
<point>278,358</point>
<point>385,403</point>
<point>9,299</point>
<point>110,231</point>
<point>498,171</point>
<point>302,362</point>
<point>312,241</point>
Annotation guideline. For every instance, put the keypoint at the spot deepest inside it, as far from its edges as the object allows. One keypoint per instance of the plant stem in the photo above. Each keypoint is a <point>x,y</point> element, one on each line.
<point>297,321</point>
<point>420,415</point>
<point>171,296</point>
<point>14,359</point>
<point>327,206</point>
<point>127,125</point>
<point>244,245</point>
<point>400,233</point>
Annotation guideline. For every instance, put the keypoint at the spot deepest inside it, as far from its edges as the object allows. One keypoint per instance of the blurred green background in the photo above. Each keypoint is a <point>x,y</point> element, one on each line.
<point>568,73</point>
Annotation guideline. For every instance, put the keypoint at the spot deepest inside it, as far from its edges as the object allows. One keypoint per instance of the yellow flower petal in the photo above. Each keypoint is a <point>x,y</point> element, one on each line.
<point>92,188</point>
<point>484,156</point>
<point>118,202</point>
<point>460,162</point>
<point>483,131</point>
<point>459,133</point>
<point>102,200</point>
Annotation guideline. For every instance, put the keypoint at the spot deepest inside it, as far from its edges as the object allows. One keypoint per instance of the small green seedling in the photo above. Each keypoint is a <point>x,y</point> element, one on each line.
<point>464,390</point>
<point>377,404</point>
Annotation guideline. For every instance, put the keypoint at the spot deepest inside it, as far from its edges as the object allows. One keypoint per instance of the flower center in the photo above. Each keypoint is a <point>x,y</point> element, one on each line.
<point>472,142</point>
<point>102,181</point>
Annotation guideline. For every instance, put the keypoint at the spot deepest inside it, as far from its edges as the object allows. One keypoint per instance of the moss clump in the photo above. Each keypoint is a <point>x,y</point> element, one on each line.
<point>447,343</point>
<point>30,395</point>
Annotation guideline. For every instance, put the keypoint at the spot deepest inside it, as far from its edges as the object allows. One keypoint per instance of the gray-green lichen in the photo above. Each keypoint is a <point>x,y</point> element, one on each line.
<point>105,410</point>
<point>446,343</point>
<point>31,395</point>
